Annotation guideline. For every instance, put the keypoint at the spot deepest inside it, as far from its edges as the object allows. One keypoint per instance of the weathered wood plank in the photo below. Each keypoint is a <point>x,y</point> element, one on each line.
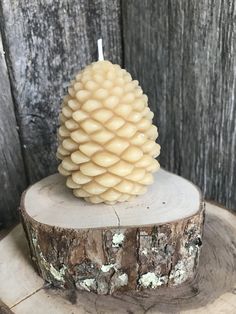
<point>47,43</point>
<point>15,259</point>
<point>12,176</point>
<point>184,54</point>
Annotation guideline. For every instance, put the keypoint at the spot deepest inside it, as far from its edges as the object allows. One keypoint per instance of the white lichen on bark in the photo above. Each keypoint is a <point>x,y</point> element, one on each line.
<point>117,239</point>
<point>179,274</point>
<point>150,280</point>
<point>123,279</point>
<point>87,284</point>
<point>58,275</point>
<point>144,251</point>
<point>106,268</point>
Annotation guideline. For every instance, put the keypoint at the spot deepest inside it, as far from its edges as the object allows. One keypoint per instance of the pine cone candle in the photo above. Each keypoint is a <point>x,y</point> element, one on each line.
<point>106,139</point>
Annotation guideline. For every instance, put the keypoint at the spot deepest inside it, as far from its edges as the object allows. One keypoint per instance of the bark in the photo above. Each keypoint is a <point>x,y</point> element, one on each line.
<point>108,260</point>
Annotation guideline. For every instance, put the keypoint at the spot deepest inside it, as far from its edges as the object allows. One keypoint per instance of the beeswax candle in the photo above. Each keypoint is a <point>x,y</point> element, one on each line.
<point>106,139</point>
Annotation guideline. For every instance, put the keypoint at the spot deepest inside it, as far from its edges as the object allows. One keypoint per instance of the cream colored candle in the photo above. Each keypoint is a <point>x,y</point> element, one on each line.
<point>106,139</point>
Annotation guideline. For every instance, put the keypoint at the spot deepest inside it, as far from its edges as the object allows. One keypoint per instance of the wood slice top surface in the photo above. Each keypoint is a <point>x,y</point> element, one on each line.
<point>170,198</point>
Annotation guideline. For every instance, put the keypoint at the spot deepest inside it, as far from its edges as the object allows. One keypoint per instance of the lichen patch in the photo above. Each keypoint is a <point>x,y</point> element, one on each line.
<point>150,280</point>
<point>106,268</point>
<point>87,284</point>
<point>123,279</point>
<point>58,275</point>
<point>117,239</point>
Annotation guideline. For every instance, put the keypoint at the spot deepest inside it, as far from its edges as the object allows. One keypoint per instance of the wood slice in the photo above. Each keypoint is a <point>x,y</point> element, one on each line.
<point>151,241</point>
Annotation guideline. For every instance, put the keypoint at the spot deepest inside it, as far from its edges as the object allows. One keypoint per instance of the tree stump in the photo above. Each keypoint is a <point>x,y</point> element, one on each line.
<point>151,241</point>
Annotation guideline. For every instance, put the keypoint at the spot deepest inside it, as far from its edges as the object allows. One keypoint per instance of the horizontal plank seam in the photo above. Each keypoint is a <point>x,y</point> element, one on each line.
<point>26,297</point>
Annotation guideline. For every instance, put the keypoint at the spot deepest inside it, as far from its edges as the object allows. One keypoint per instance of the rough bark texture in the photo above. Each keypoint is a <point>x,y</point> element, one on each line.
<point>184,55</point>
<point>107,260</point>
<point>46,43</point>
<point>12,175</point>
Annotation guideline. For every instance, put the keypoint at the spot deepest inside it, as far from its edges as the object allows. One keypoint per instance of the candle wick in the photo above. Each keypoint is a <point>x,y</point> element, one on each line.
<point>100,50</point>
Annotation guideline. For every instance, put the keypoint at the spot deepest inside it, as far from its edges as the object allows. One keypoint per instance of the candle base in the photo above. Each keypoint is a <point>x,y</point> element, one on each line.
<point>150,242</point>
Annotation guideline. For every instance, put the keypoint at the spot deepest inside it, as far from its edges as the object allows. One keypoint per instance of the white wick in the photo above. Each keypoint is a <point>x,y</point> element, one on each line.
<point>100,50</point>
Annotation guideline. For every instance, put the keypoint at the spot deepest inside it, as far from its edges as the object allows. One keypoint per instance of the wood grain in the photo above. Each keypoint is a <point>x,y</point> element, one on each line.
<point>170,198</point>
<point>184,54</point>
<point>46,44</point>
<point>12,176</point>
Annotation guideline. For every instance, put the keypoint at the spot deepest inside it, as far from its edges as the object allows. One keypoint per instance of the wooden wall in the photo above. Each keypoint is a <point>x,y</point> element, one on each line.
<point>45,43</point>
<point>182,51</point>
<point>184,54</point>
<point>12,174</point>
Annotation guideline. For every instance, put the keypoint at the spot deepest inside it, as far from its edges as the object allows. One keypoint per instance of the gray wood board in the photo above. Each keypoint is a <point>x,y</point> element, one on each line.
<point>12,178</point>
<point>184,54</point>
<point>47,43</point>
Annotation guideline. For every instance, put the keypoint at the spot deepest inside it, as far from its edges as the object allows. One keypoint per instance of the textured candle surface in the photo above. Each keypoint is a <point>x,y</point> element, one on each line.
<point>106,137</point>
